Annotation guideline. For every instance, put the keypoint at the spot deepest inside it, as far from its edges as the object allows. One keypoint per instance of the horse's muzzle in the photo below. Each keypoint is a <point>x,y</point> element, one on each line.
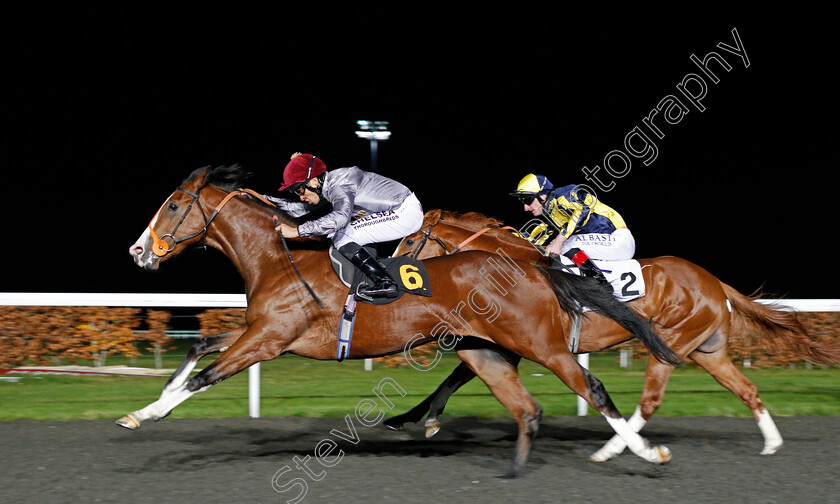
<point>142,255</point>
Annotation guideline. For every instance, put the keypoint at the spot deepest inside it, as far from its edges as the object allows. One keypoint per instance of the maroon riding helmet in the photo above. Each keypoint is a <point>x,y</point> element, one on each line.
<point>300,170</point>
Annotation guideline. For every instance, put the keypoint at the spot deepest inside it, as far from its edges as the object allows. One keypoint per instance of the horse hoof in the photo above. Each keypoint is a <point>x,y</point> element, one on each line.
<point>600,457</point>
<point>128,422</point>
<point>664,454</point>
<point>770,449</point>
<point>432,429</point>
<point>604,454</point>
<point>394,426</point>
<point>613,448</point>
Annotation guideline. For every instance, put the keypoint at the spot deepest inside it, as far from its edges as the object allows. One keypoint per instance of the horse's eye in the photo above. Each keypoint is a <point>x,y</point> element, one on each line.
<point>409,242</point>
<point>173,206</point>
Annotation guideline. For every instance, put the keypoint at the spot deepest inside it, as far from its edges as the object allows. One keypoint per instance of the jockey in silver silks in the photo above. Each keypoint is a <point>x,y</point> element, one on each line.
<point>366,208</point>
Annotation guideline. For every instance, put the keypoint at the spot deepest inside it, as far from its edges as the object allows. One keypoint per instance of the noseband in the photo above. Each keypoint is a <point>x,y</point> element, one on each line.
<point>161,245</point>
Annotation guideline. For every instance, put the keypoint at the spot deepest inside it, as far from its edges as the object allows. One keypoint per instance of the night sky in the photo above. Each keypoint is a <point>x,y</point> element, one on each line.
<point>105,112</point>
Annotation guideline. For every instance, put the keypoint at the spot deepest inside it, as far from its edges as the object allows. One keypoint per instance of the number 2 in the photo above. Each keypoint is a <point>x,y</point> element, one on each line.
<point>624,290</point>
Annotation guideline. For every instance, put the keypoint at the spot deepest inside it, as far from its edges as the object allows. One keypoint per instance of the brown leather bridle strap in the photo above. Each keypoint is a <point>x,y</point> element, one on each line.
<point>474,236</point>
<point>255,194</point>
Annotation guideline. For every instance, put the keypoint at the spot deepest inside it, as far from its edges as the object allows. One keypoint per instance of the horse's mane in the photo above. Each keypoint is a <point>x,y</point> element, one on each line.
<point>231,178</point>
<point>472,220</point>
<point>228,178</point>
<point>224,177</point>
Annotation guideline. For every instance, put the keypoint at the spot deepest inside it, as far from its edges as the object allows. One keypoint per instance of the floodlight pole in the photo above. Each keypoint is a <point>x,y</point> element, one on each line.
<point>373,131</point>
<point>374,145</point>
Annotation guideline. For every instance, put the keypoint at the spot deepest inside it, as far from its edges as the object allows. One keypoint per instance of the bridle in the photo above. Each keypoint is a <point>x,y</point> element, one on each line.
<point>426,235</point>
<point>161,246</point>
<point>428,232</point>
<point>158,243</point>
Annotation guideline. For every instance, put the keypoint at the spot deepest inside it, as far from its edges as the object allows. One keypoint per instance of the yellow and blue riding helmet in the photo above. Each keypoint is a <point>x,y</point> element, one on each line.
<point>531,186</point>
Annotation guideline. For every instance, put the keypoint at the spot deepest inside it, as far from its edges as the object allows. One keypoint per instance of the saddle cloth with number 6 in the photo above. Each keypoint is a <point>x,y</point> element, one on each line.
<point>409,273</point>
<point>624,276</point>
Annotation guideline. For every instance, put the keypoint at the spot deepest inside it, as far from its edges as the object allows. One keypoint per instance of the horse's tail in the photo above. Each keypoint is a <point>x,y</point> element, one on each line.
<point>574,293</point>
<point>782,327</point>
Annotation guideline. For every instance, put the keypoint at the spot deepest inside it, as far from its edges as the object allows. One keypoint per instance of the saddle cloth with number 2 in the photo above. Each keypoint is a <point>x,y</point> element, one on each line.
<point>624,276</point>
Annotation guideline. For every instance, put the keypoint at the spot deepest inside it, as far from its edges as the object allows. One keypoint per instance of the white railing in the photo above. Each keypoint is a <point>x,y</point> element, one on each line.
<point>134,300</point>
<point>141,300</point>
<point>124,300</point>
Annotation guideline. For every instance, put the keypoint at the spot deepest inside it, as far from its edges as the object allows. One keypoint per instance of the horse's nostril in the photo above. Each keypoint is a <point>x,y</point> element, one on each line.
<point>137,250</point>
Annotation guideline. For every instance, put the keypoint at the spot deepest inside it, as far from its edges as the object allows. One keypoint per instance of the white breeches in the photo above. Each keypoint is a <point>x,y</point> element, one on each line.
<point>617,246</point>
<point>379,227</point>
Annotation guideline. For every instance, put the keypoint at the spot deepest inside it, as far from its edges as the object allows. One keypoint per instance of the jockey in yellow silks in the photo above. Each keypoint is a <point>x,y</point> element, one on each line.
<point>587,228</point>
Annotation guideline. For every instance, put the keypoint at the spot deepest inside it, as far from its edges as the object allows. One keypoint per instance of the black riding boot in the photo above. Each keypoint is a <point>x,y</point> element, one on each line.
<point>587,267</point>
<point>383,284</point>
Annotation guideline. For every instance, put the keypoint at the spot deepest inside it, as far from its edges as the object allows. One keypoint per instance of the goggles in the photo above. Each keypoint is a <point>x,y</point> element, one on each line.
<point>526,198</point>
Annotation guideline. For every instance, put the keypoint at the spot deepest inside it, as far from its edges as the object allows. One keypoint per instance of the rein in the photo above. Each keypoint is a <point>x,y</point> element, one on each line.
<point>473,237</point>
<point>300,275</point>
<point>427,235</point>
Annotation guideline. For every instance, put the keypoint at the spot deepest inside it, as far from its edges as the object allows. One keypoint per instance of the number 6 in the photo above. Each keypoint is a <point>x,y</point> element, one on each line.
<point>410,277</point>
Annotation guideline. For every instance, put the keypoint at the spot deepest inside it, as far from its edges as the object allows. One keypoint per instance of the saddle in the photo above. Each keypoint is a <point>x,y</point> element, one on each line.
<point>625,277</point>
<point>409,273</point>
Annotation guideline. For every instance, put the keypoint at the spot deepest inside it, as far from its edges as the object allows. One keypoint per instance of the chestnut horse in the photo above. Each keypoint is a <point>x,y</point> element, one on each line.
<point>693,312</point>
<point>523,309</point>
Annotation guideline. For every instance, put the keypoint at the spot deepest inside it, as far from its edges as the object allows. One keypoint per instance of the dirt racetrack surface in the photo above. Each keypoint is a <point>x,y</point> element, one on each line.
<point>234,461</point>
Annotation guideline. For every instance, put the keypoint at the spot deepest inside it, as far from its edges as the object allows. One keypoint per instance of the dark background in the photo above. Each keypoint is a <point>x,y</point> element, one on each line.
<point>106,111</point>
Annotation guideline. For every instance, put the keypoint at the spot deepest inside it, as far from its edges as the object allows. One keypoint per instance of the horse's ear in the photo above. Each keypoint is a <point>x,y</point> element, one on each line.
<point>202,177</point>
<point>198,176</point>
<point>432,217</point>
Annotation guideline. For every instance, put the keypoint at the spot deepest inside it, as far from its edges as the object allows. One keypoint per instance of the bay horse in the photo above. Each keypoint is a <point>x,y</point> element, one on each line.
<point>525,317</point>
<point>693,311</point>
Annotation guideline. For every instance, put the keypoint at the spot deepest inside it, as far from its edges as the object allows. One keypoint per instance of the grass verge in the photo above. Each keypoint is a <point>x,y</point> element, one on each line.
<point>294,386</point>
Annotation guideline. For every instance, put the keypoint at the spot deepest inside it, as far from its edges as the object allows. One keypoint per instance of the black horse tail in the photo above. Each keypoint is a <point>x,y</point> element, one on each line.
<point>574,293</point>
